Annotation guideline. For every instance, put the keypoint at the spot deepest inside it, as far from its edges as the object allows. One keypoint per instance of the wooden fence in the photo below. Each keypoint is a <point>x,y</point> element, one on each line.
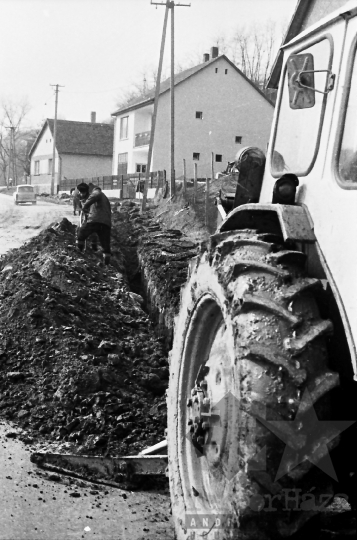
<point>128,183</point>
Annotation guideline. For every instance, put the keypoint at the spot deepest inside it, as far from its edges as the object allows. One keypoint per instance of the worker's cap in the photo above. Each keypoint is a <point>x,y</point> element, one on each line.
<point>83,187</point>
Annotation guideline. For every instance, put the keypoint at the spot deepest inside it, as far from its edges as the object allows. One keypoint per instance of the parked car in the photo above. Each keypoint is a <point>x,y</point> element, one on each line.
<point>24,194</point>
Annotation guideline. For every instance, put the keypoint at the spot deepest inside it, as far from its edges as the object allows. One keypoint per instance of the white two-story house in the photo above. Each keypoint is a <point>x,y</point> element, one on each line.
<point>217,109</point>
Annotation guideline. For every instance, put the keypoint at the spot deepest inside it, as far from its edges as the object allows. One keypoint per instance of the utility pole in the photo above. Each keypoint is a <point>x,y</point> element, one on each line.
<point>172,107</point>
<point>153,121</point>
<point>14,168</point>
<point>171,5</point>
<point>11,156</point>
<point>54,141</point>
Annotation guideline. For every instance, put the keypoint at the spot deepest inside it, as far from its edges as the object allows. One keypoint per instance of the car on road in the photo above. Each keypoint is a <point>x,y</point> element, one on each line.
<point>24,194</point>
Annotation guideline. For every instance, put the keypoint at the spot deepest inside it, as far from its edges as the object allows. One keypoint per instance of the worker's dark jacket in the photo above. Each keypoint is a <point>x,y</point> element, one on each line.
<point>99,208</point>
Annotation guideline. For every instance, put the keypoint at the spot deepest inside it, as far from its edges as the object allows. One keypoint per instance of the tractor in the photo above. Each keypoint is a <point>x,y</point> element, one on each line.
<point>262,393</point>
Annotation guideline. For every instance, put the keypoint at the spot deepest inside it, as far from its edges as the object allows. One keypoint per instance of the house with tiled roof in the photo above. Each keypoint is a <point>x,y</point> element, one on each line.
<point>83,150</point>
<point>217,109</point>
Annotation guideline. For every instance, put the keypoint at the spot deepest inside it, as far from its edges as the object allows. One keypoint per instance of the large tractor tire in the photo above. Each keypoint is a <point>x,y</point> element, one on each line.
<point>249,350</point>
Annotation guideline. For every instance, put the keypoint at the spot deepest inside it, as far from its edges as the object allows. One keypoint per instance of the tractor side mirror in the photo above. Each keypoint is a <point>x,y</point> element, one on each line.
<point>301,81</point>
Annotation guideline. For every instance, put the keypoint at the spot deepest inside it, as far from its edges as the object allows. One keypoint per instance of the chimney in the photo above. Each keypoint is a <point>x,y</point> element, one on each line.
<point>214,52</point>
<point>206,57</point>
<point>93,117</point>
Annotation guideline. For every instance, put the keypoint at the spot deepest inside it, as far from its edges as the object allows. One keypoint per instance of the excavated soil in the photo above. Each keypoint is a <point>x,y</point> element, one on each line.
<point>82,366</point>
<point>194,215</point>
<point>80,363</point>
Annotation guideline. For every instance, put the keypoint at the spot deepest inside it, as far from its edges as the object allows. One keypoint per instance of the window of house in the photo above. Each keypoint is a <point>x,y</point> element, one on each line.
<point>141,168</point>
<point>49,171</point>
<point>199,115</point>
<point>238,139</point>
<point>218,158</point>
<point>196,156</point>
<point>123,158</point>
<point>37,167</point>
<point>216,70</point>
<point>225,71</point>
<point>124,127</point>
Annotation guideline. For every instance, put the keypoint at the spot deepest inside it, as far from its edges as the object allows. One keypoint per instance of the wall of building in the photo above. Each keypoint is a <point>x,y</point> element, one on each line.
<point>230,107</point>
<point>125,145</point>
<point>139,121</point>
<point>71,166</point>
<point>44,153</point>
<point>75,166</point>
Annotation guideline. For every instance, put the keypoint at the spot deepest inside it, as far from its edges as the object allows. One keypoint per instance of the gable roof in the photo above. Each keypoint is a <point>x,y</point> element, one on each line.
<point>84,138</point>
<point>165,85</point>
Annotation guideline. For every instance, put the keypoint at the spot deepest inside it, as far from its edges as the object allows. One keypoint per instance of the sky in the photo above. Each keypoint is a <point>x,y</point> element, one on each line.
<point>97,49</point>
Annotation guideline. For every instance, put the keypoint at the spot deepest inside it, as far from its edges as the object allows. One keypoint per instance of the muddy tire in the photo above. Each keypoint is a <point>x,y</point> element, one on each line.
<point>249,348</point>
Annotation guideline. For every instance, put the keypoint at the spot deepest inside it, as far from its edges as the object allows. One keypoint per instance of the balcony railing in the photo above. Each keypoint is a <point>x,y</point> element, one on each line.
<point>142,139</point>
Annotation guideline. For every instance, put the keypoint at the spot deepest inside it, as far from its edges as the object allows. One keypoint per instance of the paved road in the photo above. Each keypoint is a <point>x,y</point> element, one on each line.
<point>48,511</point>
<point>19,223</point>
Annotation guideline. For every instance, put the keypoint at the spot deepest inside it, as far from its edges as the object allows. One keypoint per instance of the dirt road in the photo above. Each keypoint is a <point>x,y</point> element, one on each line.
<point>19,223</point>
<point>33,507</point>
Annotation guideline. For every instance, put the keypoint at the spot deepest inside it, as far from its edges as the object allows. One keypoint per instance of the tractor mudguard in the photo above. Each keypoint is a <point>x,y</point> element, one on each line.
<point>290,221</point>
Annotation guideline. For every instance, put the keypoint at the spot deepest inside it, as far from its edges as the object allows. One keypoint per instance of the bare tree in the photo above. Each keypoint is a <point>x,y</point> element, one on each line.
<point>137,89</point>
<point>15,139</point>
<point>252,50</point>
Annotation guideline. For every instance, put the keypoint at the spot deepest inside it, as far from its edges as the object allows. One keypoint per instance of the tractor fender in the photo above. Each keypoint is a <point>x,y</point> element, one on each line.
<point>291,221</point>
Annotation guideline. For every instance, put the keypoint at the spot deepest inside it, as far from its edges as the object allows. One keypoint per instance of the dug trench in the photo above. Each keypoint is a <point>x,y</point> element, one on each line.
<point>84,347</point>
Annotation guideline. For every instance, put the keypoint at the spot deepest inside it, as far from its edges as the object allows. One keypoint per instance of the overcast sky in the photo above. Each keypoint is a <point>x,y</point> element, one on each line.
<point>98,48</point>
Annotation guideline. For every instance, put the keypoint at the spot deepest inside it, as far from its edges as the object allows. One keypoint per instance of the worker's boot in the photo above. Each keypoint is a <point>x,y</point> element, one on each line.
<point>106,258</point>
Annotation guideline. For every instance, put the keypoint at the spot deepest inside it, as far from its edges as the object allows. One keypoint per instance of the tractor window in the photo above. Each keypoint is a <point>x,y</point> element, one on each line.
<point>347,164</point>
<point>298,130</point>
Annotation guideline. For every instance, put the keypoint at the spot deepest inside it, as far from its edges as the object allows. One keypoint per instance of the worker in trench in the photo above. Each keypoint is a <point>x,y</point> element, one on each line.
<point>97,208</point>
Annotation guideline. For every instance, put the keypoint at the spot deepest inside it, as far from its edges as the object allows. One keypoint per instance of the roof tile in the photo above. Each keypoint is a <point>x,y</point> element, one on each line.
<point>86,138</point>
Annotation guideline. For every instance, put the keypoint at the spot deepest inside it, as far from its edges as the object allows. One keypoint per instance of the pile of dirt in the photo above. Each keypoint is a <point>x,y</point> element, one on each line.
<point>79,361</point>
<point>195,215</point>
<point>164,259</point>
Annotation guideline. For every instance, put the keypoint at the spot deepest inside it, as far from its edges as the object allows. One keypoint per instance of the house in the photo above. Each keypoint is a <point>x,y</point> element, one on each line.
<point>217,109</point>
<point>306,13</point>
<point>83,149</point>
